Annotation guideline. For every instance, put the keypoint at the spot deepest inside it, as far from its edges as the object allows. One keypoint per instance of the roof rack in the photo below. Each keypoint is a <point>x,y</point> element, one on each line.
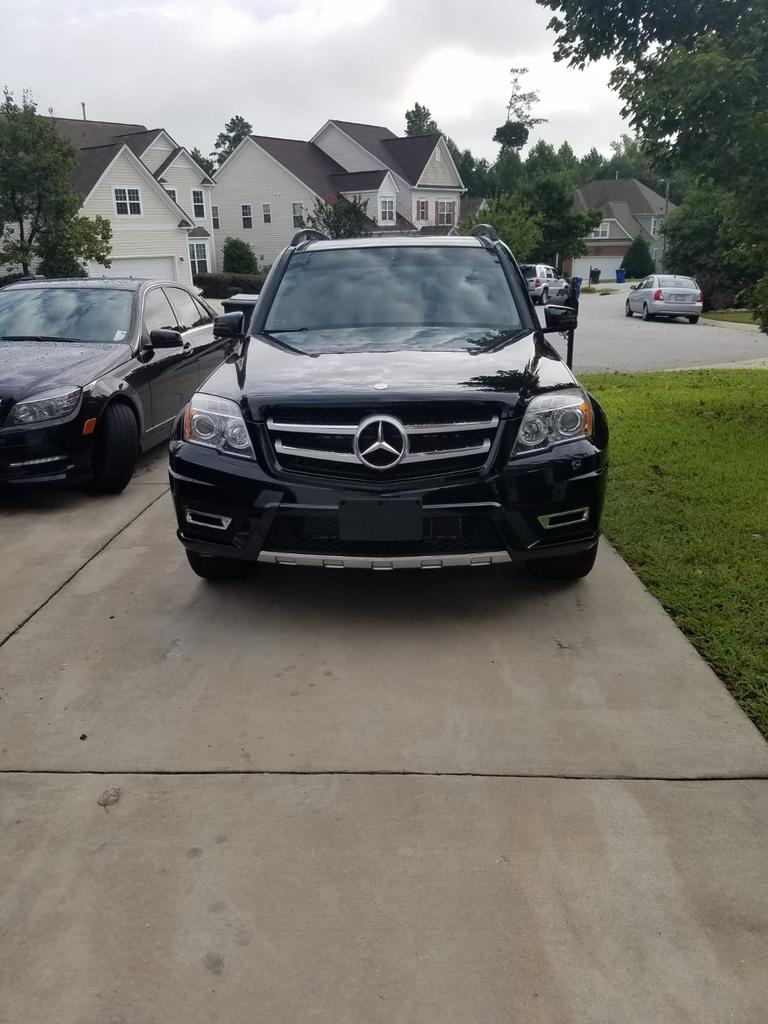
<point>486,233</point>
<point>308,235</point>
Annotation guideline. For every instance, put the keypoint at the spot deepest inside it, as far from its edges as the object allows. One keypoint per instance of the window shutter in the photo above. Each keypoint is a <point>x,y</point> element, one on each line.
<point>453,212</point>
<point>437,212</point>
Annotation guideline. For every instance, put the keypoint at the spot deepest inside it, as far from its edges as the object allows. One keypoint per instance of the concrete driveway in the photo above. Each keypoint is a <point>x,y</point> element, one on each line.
<point>607,340</point>
<point>345,798</point>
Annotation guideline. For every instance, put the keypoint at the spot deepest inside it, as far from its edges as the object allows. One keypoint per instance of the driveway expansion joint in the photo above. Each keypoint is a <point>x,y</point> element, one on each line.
<point>385,773</point>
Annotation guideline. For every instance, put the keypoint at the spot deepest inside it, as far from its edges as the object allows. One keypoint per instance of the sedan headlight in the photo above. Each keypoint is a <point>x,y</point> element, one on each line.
<point>217,423</point>
<point>553,419</point>
<point>50,405</point>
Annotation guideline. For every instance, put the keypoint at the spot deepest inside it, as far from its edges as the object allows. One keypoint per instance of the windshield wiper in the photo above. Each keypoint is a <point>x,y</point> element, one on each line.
<point>34,337</point>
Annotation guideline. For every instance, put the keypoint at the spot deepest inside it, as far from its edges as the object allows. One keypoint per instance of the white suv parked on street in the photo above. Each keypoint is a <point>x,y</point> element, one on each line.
<point>544,283</point>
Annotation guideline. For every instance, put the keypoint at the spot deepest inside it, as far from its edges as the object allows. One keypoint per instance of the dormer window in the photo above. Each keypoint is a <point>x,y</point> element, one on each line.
<point>602,230</point>
<point>387,211</point>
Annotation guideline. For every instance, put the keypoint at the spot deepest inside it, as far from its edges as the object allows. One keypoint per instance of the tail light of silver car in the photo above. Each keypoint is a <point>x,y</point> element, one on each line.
<point>658,295</point>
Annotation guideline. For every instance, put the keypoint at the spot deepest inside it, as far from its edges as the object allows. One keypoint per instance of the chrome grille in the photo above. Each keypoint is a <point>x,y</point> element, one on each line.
<point>437,438</point>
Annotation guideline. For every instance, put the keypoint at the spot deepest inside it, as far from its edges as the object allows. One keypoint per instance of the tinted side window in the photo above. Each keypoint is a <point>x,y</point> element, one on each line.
<point>158,314</point>
<point>187,314</point>
<point>204,317</point>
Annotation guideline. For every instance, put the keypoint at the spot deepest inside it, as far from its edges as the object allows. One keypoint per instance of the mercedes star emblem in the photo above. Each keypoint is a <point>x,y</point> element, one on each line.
<point>381,442</point>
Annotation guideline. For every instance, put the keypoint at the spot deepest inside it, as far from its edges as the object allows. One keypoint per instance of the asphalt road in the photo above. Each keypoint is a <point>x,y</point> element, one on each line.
<point>345,797</point>
<point>607,340</point>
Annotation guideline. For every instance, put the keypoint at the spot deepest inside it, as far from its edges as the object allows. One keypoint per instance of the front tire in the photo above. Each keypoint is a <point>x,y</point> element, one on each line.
<point>569,567</point>
<point>216,569</point>
<point>628,309</point>
<point>693,319</point>
<point>115,449</point>
<point>646,315</point>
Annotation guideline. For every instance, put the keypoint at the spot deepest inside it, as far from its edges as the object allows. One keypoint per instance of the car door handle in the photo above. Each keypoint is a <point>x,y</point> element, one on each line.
<point>187,349</point>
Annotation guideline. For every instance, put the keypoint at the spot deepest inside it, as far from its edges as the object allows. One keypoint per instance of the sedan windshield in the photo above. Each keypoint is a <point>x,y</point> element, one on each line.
<point>393,286</point>
<point>66,314</point>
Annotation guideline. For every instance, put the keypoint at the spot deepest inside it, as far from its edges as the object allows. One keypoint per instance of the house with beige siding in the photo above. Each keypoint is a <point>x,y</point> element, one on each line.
<point>268,186</point>
<point>156,197</point>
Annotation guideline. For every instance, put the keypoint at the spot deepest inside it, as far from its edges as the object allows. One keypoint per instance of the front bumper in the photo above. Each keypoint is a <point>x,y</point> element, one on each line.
<point>43,454</point>
<point>543,506</point>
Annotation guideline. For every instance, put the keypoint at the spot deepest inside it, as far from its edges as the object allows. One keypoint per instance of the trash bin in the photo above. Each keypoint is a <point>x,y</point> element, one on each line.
<point>242,303</point>
<point>594,275</point>
<point>620,275</point>
<point>576,283</point>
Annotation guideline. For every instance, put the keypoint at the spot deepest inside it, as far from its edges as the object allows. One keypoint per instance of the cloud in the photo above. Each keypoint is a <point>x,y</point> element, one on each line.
<point>288,65</point>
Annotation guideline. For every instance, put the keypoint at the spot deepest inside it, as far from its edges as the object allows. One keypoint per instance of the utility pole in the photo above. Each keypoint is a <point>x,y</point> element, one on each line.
<point>82,104</point>
<point>666,213</point>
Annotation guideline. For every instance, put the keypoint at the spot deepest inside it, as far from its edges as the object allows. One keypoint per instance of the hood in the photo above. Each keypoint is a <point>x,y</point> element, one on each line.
<point>29,367</point>
<point>383,364</point>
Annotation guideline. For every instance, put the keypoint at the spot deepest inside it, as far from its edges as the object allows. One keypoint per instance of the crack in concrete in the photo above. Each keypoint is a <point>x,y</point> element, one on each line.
<point>384,772</point>
<point>80,568</point>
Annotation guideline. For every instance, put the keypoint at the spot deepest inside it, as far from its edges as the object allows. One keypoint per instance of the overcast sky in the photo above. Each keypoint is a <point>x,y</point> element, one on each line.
<point>289,65</point>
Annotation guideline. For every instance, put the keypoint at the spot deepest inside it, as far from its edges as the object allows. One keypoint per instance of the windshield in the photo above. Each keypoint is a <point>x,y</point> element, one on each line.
<point>81,314</point>
<point>677,282</point>
<point>393,286</point>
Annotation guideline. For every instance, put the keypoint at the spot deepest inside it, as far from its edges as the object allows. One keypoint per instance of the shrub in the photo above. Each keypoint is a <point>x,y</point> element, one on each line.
<point>238,257</point>
<point>221,286</point>
<point>638,261</point>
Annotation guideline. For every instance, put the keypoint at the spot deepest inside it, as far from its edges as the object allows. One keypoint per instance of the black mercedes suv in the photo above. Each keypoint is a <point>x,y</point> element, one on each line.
<point>394,403</point>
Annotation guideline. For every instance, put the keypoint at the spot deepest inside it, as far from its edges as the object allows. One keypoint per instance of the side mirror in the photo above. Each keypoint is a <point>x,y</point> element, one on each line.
<point>633,287</point>
<point>560,318</point>
<point>164,338</point>
<point>229,325</point>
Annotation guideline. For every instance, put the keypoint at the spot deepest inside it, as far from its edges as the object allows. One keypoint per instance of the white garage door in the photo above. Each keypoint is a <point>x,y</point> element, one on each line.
<point>137,266</point>
<point>607,265</point>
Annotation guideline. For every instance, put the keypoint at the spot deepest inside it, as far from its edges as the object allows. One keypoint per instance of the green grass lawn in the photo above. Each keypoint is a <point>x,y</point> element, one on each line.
<point>688,509</point>
<point>734,316</point>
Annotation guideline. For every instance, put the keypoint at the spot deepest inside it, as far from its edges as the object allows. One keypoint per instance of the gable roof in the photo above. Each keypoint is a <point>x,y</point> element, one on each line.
<point>82,134</point>
<point>139,142</point>
<point>304,160</point>
<point>94,160</point>
<point>407,155</point>
<point>637,197</point>
<point>359,181</point>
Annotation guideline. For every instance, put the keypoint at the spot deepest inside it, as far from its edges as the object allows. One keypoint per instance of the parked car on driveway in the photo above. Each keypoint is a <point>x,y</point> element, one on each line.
<point>94,371</point>
<point>544,283</point>
<point>393,404</point>
<point>667,295</point>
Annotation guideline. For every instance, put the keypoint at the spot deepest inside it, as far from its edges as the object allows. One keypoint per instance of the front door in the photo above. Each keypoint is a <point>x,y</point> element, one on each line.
<point>172,371</point>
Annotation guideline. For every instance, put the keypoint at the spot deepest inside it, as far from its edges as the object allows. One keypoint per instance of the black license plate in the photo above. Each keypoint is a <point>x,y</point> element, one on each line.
<point>370,519</point>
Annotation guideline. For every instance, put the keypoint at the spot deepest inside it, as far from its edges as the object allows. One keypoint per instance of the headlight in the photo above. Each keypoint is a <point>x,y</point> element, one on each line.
<point>217,423</point>
<point>552,419</point>
<point>50,405</point>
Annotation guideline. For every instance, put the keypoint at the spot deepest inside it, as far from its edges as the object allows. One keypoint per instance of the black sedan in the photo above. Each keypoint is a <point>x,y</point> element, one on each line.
<point>92,372</point>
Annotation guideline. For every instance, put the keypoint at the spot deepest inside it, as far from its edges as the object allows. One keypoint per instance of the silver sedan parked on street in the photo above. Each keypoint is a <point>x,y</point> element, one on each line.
<point>665,295</point>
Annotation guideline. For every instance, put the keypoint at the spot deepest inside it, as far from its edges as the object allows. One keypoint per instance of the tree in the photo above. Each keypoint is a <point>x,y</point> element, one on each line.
<point>591,167</point>
<point>693,78</point>
<point>419,121</point>
<point>341,218</point>
<point>235,130</point>
<point>513,134</point>
<point>38,204</point>
<point>515,223</point>
<point>238,257</point>
<point>702,241</point>
<point>638,261</point>
<point>205,162</point>
<point>563,227</point>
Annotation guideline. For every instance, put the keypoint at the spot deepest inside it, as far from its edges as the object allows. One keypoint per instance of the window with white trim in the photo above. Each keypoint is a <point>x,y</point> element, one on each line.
<point>422,209</point>
<point>266,213</point>
<point>245,209</point>
<point>298,215</point>
<point>602,230</point>
<point>654,226</point>
<point>198,203</point>
<point>387,213</point>
<point>198,257</point>
<point>172,193</point>
<point>445,212</point>
<point>215,216</point>
<point>127,202</point>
